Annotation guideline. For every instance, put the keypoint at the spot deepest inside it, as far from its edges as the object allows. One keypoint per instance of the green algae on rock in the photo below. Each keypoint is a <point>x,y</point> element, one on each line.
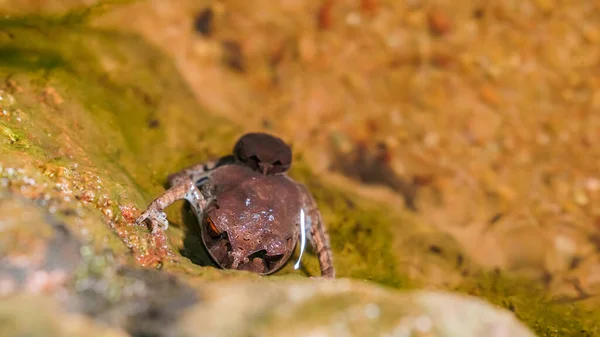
<point>548,317</point>
<point>89,114</point>
<point>100,118</point>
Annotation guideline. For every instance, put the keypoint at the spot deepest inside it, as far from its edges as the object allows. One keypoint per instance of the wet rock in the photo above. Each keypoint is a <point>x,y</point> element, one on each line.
<point>106,84</point>
<point>39,255</point>
<point>42,316</point>
<point>142,302</point>
<point>342,308</point>
<point>37,252</point>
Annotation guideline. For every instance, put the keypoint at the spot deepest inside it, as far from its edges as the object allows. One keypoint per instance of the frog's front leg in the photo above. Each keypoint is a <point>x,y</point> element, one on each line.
<point>184,189</point>
<point>197,172</point>
<point>317,233</point>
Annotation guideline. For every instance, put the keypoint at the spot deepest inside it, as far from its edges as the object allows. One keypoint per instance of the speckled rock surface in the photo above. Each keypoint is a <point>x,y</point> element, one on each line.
<point>53,285</point>
<point>94,114</point>
<point>37,253</point>
<point>42,316</point>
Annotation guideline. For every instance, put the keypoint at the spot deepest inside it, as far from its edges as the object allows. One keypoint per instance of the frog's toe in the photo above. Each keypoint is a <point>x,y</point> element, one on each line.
<point>157,220</point>
<point>163,223</point>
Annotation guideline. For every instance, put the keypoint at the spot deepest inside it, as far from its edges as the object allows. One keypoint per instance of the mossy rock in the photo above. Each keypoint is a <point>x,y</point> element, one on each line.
<point>93,120</point>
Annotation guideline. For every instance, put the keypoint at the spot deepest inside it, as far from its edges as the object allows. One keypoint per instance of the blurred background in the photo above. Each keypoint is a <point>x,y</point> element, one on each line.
<point>477,121</point>
<point>480,117</point>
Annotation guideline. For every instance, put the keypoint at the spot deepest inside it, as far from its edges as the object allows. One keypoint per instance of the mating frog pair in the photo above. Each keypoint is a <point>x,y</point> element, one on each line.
<point>249,210</point>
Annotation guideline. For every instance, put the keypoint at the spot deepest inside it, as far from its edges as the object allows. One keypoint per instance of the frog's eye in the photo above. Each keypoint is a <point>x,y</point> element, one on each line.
<point>212,229</point>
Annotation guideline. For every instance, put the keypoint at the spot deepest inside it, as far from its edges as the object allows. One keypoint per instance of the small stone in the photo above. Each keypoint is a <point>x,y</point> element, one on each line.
<point>596,100</point>
<point>372,310</point>
<point>307,48</point>
<point>413,4</point>
<point>581,197</point>
<point>233,55</point>
<point>564,136</point>
<point>542,138</point>
<point>423,324</point>
<point>483,125</point>
<point>591,34</point>
<point>546,6</point>
<point>439,22</point>
<point>395,41</point>
<point>6,99</point>
<point>592,184</point>
<point>431,140</point>
<point>478,13</point>
<point>203,23</point>
<point>506,192</point>
<point>567,95</point>
<point>353,19</point>
<point>369,7</point>
<point>490,95</point>
<point>523,157</point>
<point>50,95</point>
<point>441,60</point>
<point>324,16</point>
<point>396,117</point>
<point>415,19</point>
<point>391,142</point>
<point>565,246</point>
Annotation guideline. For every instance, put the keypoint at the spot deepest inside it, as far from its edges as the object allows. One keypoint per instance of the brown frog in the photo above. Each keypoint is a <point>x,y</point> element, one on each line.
<point>248,209</point>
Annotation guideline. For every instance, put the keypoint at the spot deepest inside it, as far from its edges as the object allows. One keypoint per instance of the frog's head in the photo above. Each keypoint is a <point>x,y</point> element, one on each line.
<point>264,153</point>
<point>241,234</point>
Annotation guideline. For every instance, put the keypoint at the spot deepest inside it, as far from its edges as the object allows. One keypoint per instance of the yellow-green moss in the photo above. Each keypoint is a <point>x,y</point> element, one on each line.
<point>548,317</point>
<point>85,96</point>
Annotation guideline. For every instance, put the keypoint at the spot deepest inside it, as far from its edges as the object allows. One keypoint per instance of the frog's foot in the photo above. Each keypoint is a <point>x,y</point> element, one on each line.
<point>155,217</point>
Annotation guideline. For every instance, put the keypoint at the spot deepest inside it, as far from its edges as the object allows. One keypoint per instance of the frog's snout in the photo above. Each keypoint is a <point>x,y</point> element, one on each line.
<point>254,262</point>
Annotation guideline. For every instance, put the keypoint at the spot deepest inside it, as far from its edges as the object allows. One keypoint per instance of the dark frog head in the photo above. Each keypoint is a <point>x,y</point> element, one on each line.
<point>252,226</point>
<point>264,153</point>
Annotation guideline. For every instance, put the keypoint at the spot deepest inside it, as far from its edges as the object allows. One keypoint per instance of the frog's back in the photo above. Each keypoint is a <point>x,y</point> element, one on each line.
<point>259,200</point>
<point>234,177</point>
